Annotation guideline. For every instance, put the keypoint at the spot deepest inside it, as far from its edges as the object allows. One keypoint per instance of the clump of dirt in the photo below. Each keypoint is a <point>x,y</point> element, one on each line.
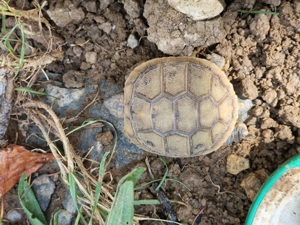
<point>263,51</point>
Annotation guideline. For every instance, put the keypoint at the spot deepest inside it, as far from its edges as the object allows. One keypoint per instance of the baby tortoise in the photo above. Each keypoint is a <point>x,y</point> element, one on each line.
<point>180,107</point>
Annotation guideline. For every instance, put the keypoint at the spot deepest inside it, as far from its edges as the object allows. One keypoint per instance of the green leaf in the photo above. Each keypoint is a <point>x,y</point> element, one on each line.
<point>29,203</point>
<point>122,209</point>
<point>133,176</point>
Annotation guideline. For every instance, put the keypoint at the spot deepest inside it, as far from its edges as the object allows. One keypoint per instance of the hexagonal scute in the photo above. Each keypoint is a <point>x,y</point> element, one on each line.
<point>177,145</point>
<point>199,81</point>
<point>149,83</point>
<point>201,141</point>
<point>218,91</point>
<point>208,113</point>
<point>152,141</point>
<point>218,131</point>
<point>174,76</point>
<point>141,113</point>
<point>186,114</point>
<point>163,115</point>
<point>226,109</point>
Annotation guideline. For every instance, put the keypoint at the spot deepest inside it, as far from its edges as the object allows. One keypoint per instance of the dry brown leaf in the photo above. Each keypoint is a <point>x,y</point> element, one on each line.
<point>16,160</point>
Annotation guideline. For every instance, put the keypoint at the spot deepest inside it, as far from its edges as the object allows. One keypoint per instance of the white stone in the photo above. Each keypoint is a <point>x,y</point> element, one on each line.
<point>132,42</point>
<point>198,9</point>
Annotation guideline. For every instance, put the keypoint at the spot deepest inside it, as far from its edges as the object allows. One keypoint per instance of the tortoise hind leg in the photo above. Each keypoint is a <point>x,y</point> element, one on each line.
<point>239,133</point>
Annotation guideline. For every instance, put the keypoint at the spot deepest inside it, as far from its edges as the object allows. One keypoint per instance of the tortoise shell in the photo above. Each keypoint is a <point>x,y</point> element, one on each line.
<point>179,106</point>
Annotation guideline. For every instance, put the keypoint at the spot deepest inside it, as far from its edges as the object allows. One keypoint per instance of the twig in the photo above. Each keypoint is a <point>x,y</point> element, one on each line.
<point>218,186</point>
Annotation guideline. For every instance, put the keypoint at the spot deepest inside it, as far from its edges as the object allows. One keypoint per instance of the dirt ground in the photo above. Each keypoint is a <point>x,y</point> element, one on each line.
<point>263,52</point>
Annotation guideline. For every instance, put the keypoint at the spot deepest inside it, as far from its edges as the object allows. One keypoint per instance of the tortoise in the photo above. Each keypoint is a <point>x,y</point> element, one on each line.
<point>180,107</point>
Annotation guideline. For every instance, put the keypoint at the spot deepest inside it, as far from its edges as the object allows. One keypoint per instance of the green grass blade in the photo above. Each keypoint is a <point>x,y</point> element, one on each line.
<point>74,194</point>
<point>259,12</point>
<point>22,56</point>
<point>99,185</point>
<point>29,203</point>
<point>165,175</point>
<point>29,90</point>
<point>147,202</point>
<point>153,181</point>
<point>122,210</point>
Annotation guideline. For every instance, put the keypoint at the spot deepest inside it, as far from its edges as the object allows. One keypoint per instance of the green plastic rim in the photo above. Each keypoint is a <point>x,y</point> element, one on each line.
<point>290,164</point>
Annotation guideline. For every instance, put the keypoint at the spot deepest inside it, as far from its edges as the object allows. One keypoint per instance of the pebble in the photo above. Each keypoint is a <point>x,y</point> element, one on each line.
<point>91,57</point>
<point>106,27</point>
<point>198,10</point>
<point>268,135</point>
<point>132,42</point>
<point>66,15</point>
<point>268,123</point>
<point>290,114</point>
<point>68,204</point>
<point>253,181</point>
<point>43,187</point>
<point>249,89</point>
<point>260,26</point>
<point>236,164</point>
<point>270,96</point>
<point>14,216</point>
<point>64,217</point>
<point>132,8</point>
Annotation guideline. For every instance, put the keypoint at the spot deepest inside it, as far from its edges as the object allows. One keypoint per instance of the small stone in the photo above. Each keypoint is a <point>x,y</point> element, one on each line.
<point>270,96</point>
<point>268,123</point>
<point>258,111</point>
<point>105,138</point>
<point>132,42</point>
<point>77,51</point>
<point>198,10</point>
<point>268,135</point>
<point>253,181</point>
<point>43,187</point>
<point>73,79</point>
<point>248,89</point>
<point>90,6</point>
<point>236,164</point>
<point>290,114</point>
<point>64,217</point>
<point>174,170</point>
<point>14,216</point>
<point>284,133</point>
<point>132,8</point>
<point>106,27</point>
<point>66,15</point>
<point>69,205</point>
<point>91,57</point>
<point>260,26</point>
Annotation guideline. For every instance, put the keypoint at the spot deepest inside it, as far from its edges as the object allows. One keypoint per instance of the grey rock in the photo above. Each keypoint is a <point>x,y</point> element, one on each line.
<point>70,102</point>
<point>69,205</point>
<point>43,188</point>
<point>64,217</point>
<point>112,111</point>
